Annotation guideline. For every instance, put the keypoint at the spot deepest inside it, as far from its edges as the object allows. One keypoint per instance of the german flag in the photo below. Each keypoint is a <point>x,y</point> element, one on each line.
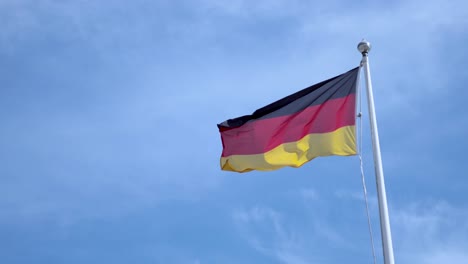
<point>317,121</point>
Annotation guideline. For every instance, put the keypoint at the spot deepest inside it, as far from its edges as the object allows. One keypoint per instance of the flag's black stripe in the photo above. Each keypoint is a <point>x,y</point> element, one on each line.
<point>336,87</point>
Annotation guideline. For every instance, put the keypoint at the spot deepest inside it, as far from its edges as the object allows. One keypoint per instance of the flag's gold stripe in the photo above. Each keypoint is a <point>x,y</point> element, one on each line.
<point>341,142</point>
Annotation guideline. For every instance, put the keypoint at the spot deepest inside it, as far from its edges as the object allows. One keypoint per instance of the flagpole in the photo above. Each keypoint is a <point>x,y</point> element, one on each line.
<point>364,47</point>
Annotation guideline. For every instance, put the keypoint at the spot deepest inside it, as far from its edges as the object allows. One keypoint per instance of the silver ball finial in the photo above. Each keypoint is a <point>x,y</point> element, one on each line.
<point>364,47</point>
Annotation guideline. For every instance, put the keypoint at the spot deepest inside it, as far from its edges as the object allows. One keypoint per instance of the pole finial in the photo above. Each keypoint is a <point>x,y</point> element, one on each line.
<point>364,47</point>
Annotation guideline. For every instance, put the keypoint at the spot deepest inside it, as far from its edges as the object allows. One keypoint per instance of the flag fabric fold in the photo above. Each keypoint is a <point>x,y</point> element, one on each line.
<point>316,121</point>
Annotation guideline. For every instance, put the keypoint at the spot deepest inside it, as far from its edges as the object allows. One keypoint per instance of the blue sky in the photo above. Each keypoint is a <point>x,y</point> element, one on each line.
<point>109,148</point>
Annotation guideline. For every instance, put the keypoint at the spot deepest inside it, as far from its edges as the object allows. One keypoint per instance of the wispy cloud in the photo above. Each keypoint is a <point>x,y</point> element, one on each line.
<point>413,31</point>
<point>265,230</point>
<point>431,233</point>
<point>309,194</point>
<point>425,233</point>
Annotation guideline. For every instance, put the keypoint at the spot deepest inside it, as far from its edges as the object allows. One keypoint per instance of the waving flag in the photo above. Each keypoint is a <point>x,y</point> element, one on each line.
<point>317,121</point>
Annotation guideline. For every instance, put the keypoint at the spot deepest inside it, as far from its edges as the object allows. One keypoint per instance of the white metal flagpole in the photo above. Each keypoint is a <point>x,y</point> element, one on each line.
<point>364,47</point>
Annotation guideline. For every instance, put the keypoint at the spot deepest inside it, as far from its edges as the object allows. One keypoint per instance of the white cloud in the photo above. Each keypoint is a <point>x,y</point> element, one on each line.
<point>426,233</point>
<point>309,194</point>
<point>430,233</point>
<point>408,38</point>
<point>265,230</point>
<point>244,8</point>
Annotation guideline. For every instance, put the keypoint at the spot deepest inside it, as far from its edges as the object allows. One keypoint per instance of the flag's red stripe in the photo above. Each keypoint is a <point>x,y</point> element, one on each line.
<point>263,135</point>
